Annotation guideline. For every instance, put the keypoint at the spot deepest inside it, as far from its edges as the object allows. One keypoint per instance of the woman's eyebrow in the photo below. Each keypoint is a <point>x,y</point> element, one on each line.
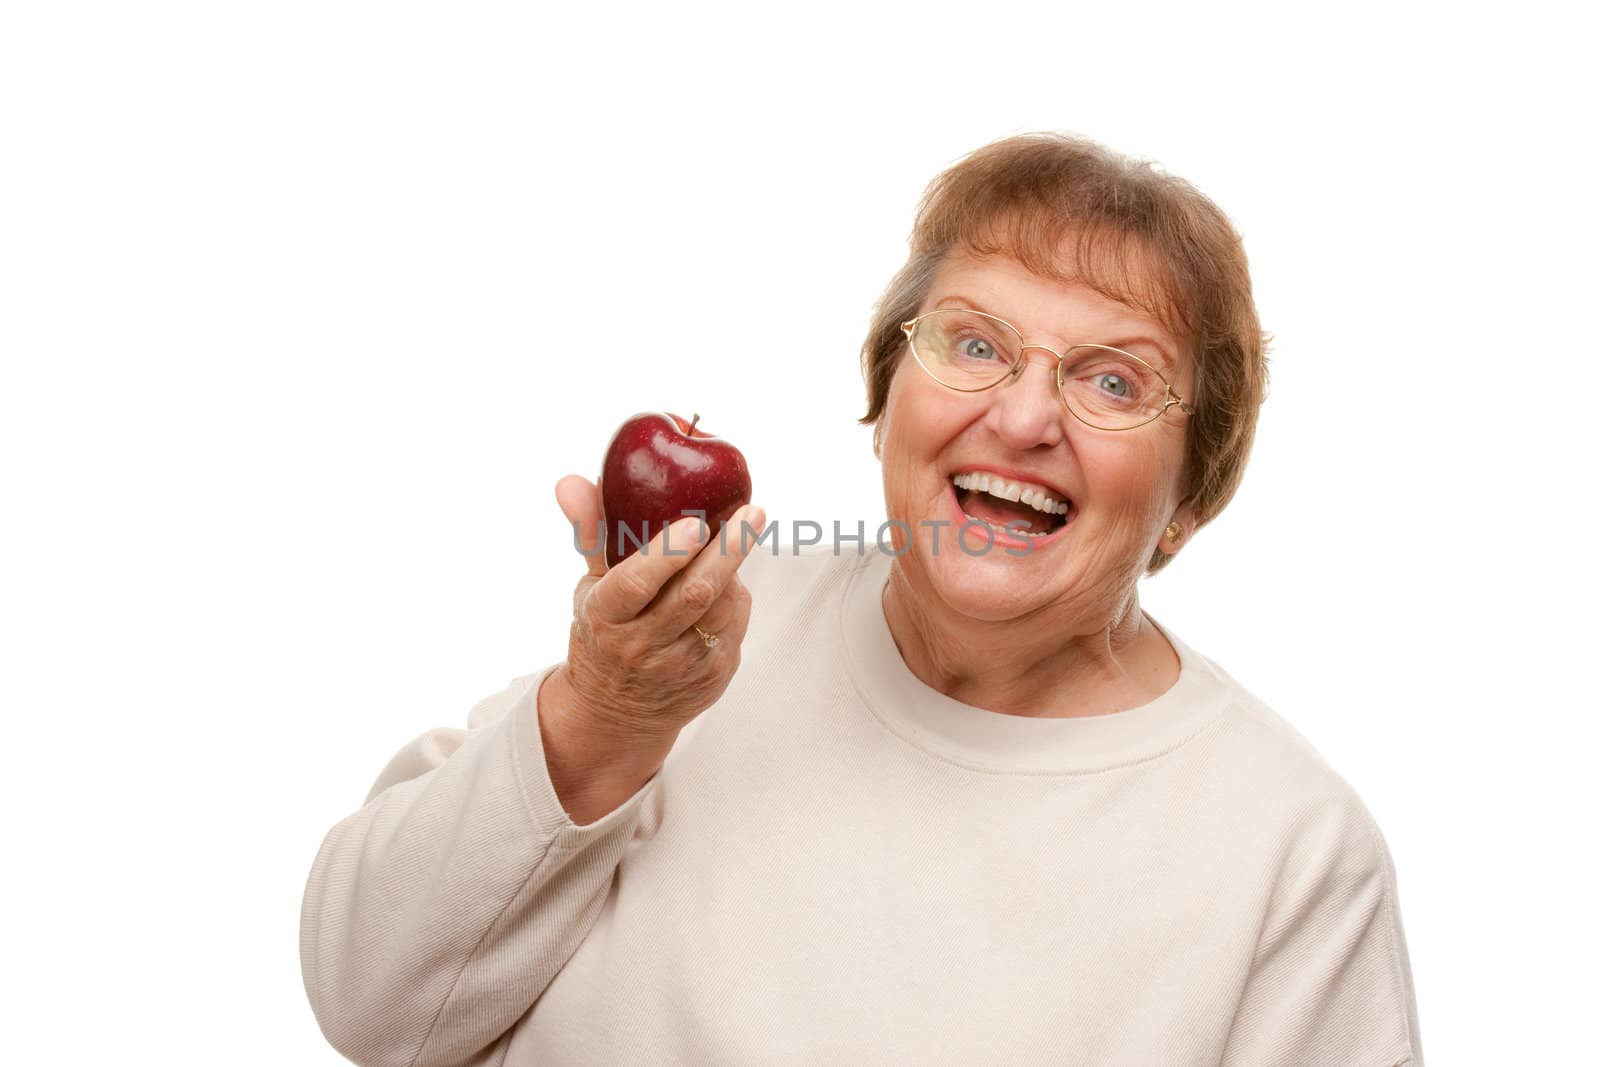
<point>1163,356</point>
<point>966,302</point>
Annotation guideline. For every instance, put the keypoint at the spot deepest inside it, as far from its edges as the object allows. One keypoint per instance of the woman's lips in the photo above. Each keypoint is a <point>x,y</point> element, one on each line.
<point>1020,544</point>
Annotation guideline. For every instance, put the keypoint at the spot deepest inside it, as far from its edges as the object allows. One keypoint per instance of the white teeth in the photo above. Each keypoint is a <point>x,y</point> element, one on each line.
<point>1031,495</point>
<point>1024,533</point>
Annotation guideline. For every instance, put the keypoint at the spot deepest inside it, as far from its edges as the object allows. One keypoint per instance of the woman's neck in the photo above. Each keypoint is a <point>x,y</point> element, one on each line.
<point>1030,667</point>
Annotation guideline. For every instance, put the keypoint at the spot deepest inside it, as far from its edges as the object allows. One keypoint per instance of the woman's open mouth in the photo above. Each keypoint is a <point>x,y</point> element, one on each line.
<point>1019,514</point>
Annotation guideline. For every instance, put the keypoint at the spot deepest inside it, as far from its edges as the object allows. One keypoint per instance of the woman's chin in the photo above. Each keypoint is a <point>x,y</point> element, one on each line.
<point>981,588</point>
<point>985,573</point>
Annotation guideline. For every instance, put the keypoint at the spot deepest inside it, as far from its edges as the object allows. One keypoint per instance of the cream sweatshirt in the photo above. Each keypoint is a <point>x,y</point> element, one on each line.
<point>839,865</point>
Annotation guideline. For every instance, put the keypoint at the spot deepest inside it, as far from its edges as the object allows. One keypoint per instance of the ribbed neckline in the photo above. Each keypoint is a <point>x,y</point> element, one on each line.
<point>990,741</point>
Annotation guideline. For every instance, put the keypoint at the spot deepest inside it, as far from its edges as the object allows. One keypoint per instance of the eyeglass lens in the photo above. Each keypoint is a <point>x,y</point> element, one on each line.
<point>1105,386</point>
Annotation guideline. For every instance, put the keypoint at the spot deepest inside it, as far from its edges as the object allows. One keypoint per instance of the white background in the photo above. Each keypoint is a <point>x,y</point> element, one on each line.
<point>307,306</point>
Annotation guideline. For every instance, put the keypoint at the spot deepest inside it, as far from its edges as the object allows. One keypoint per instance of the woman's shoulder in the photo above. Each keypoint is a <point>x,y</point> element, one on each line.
<point>1331,943</point>
<point>1277,772</point>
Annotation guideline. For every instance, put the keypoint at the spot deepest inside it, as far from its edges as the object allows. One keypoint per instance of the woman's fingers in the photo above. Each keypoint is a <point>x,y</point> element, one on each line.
<point>629,587</point>
<point>634,659</point>
<point>729,617</point>
<point>690,595</point>
<point>579,499</point>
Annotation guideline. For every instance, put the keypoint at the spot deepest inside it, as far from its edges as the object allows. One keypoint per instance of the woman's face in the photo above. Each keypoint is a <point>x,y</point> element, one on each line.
<point>1122,487</point>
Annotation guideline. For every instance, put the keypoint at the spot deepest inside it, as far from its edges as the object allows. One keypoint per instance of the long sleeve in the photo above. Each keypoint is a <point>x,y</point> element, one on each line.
<point>436,915</point>
<point>1331,982</point>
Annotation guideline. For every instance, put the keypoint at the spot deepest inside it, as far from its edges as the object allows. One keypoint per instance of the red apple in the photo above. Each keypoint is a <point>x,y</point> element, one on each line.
<point>659,467</point>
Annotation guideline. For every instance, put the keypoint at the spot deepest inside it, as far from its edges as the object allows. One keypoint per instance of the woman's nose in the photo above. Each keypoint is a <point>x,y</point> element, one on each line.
<point>1027,409</point>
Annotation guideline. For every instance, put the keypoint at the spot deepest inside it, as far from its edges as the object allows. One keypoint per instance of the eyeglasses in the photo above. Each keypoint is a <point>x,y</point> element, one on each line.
<point>1103,387</point>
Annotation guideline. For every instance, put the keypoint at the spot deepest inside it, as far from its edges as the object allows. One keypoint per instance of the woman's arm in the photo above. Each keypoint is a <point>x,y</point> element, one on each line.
<point>1330,981</point>
<point>437,914</point>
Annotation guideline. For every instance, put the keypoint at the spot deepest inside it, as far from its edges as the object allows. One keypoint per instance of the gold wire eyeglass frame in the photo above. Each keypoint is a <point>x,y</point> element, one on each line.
<point>1016,369</point>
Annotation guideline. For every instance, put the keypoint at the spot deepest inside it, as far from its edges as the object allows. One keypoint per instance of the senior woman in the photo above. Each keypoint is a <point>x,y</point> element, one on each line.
<point>952,799</point>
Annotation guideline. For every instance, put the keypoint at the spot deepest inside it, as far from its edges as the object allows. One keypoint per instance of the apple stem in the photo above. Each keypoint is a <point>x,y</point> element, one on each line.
<point>692,422</point>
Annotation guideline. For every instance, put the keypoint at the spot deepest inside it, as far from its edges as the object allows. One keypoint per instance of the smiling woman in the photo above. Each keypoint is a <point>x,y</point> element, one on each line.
<point>1122,488</point>
<point>1068,210</point>
<point>958,799</point>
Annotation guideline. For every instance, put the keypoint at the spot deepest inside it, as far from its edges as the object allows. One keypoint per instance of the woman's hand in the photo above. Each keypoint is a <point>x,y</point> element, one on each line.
<point>637,671</point>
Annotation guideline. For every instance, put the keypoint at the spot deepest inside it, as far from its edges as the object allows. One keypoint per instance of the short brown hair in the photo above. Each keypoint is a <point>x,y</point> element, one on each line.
<point>1131,232</point>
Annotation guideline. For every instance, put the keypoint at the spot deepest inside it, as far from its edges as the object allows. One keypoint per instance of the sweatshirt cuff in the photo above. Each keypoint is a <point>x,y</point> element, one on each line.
<point>533,777</point>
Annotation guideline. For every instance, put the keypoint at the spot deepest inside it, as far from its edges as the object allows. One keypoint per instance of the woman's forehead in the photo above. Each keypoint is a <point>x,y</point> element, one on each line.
<point>1107,257</point>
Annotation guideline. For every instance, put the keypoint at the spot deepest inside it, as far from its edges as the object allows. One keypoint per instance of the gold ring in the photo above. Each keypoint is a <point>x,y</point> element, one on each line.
<point>709,639</point>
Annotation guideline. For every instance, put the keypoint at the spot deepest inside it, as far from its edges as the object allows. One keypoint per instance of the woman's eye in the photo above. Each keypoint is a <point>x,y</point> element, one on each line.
<point>975,348</point>
<point>1115,384</point>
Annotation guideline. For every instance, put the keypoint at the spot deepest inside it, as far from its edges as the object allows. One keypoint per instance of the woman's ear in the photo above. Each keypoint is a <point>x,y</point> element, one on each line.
<point>1180,528</point>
